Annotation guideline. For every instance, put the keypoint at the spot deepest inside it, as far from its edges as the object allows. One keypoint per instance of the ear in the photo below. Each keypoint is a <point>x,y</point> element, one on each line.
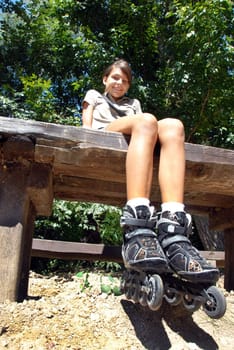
<point>104,80</point>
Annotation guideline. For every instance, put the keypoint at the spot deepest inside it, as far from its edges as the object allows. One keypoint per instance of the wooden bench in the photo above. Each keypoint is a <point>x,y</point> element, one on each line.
<point>42,161</point>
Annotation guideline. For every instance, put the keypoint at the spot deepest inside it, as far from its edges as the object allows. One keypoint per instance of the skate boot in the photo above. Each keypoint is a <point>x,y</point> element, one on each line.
<point>184,259</point>
<point>141,250</point>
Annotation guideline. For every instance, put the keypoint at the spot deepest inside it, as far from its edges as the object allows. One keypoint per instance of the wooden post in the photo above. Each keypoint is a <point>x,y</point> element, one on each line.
<point>223,219</point>
<point>229,259</point>
<point>15,210</point>
<point>18,208</point>
<point>26,247</point>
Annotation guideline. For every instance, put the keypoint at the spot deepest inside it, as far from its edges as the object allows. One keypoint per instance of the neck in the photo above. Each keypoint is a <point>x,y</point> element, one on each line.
<point>112,97</point>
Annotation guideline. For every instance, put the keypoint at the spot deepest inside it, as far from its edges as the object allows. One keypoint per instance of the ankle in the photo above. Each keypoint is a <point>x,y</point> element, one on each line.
<point>172,207</point>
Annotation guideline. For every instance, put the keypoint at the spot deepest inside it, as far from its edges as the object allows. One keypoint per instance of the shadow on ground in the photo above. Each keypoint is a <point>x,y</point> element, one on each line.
<point>150,329</point>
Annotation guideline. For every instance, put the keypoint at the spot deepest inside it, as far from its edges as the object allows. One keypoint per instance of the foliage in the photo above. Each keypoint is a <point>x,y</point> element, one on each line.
<point>38,96</point>
<point>181,54</point>
<point>77,222</point>
<point>108,284</point>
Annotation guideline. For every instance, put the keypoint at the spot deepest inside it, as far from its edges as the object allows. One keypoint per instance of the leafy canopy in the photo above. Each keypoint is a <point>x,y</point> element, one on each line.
<point>181,53</point>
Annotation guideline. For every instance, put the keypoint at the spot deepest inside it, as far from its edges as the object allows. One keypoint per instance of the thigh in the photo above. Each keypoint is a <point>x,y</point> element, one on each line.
<point>124,124</point>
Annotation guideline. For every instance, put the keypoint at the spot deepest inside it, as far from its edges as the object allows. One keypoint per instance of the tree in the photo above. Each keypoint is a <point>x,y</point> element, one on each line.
<point>52,51</point>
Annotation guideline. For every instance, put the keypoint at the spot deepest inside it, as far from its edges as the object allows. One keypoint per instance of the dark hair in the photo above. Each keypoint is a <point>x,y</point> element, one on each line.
<point>123,65</point>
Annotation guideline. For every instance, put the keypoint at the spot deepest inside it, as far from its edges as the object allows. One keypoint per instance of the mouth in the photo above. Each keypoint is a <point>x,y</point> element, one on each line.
<point>118,90</point>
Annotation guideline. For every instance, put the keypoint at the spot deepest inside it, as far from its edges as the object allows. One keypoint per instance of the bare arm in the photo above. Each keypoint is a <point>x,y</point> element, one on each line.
<point>87,115</point>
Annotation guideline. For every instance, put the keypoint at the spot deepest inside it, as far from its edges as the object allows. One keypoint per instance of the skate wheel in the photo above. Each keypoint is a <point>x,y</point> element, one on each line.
<point>135,290</point>
<point>143,293</point>
<point>131,287</point>
<point>215,306</point>
<point>123,283</point>
<point>172,298</point>
<point>129,291</point>
<point>190,303</point>
<point>143,299</point>
<point>155,293</point>
<point>127,284</point>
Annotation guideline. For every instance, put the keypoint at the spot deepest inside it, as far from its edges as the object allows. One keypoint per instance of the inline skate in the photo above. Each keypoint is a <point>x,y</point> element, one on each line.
<point>186,279</point>
<point>143,257</point>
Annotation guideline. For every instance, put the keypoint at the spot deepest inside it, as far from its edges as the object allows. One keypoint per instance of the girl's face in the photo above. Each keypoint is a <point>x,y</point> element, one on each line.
<point>116,83</point>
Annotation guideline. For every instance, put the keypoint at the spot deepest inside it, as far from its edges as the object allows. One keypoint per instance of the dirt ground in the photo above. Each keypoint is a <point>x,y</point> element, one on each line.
<point>84,313</point>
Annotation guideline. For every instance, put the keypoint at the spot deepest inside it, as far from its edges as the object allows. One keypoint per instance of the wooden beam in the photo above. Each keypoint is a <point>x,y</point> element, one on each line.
<point>76,153</point>
<point>85,162</point>
<point>62,135</point>
<point>88,251</point>
<point>75,251</point>
<point>40,188</point>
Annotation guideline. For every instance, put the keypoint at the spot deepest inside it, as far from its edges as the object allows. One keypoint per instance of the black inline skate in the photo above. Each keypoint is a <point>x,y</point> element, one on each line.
<point>192,280</point>
<point>166,265</point>
<point>143,257</point>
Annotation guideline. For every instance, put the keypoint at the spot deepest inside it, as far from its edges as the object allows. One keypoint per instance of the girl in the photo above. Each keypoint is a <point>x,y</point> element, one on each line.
<point>142,248</point>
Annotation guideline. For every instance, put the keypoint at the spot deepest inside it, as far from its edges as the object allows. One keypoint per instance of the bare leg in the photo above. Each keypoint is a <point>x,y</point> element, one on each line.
<point>141,249</point>
<point>172,160</point>
<point>139,162</point>
<point>173,226</point>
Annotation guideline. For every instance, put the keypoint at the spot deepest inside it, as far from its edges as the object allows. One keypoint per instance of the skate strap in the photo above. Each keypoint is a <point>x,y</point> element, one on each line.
<point>174,239</point>
<point>138,222</point>
<point>144,232</point>
<point>173,229</point>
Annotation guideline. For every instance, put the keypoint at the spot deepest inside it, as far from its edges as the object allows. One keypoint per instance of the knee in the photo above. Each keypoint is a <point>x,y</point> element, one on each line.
<point>171,129</point>
<point>147,123</point>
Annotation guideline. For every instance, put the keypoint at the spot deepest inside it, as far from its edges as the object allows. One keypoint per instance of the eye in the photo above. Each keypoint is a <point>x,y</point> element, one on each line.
<point>118,77</point>
<point>125,81</point>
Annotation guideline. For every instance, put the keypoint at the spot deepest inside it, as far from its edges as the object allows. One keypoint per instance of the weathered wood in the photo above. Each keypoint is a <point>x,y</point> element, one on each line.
<point>75,250</point>
<point>88,251</point>
<point>205,177</point>
<point>61,135</point>
<point>10,238</point>
<point>220,219</point>
<point>15,143</point>
<point>229,259</point>
<point>40,188</point>
<point>83,153</point>
<point>82,189</point>
<point>76,166</point>
<point>26,245</point>
<point>211,240</point>
<point>16,215</point>
<point>21,198</point>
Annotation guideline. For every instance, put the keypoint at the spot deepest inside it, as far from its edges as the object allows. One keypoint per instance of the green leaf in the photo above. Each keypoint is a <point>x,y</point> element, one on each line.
<point>105,289</point>
<point>116,291</point>
<point>80,274</point>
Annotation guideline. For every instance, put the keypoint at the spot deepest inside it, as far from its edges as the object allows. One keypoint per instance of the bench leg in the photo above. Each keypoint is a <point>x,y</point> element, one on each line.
<point>17,215</point>
<point>229,259</point>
